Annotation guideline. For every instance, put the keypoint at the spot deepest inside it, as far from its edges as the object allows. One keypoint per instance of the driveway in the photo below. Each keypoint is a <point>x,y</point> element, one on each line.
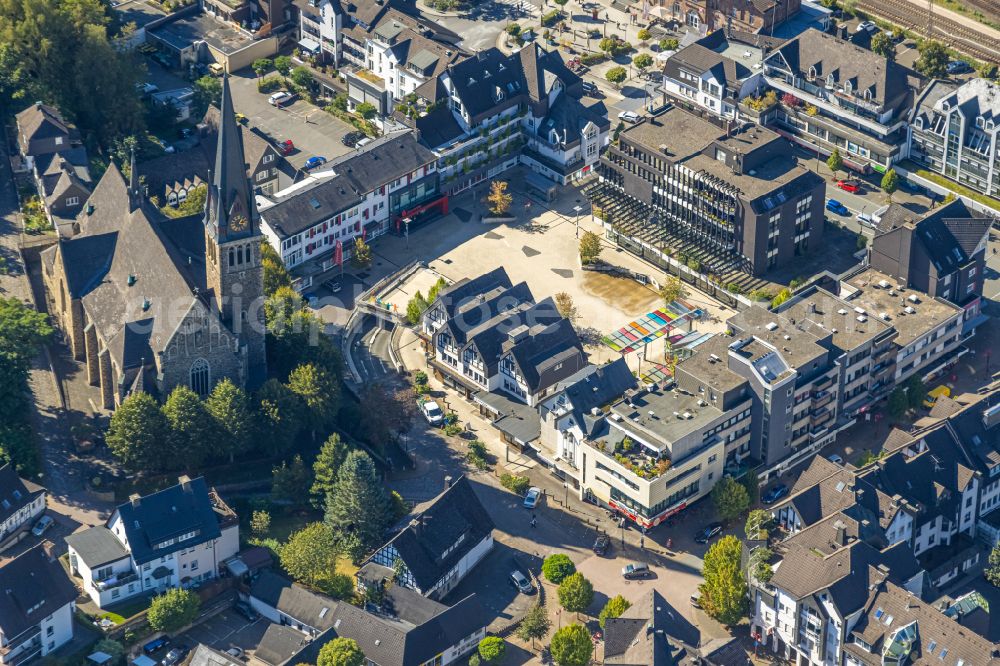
<point>223,631</point>
<point>311,129</point>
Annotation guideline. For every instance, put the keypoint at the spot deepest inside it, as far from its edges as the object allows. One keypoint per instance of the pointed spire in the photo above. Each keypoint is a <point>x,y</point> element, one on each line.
<point>230,195</point>
<point>133,184</point>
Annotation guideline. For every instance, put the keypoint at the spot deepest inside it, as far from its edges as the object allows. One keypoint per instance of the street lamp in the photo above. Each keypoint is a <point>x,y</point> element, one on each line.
<point>566,499</point>
<point>406,223</point>
<point>577,209</point>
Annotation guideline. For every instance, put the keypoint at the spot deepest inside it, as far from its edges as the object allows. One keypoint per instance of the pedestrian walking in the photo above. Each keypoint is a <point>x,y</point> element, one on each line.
<point>533,522</point>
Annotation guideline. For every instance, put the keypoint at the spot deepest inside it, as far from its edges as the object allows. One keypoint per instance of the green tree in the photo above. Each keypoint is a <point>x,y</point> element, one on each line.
<point>614,608</point>
<point>388,412</point>
<point>310,554</point>
<point>358,509</point>
<point>534,625</point>
<point>191,429</point>
<point>572,646</point>
<point>229,405</point>
<point>491,649</point>
<point>557,567</point>
<point>882,45</point>
<point>616,75</point>
<point>275,273</point>
<point>723,594</point>
<point>890,182</point>
<point>642,61</point>
<point>366,110</point>
<point>260,523</point>
<point>207,90</point>
<point>331,456</point>
<point>730,498</point>
<point>288,481</point>
<point>173,610</point>
<point>590,247</point>
<point>319,393</point>
<point>933,60</point>
<point>672,289</point>
<point>415,308</point>
<point>566,307</point>
<point>138,433</point>
<point>669,44</point>
<point>283,64</point>
<point>112,648</point>
<point>435,289</point>
<point>608,44</point>
<point>340,652</point>
<point>988,70</point>
<point>644,34</point>
<point>992,569</point>
<point>362,257</point>
<point>279,417</point>
<point>302,77</point>
<point>576,593</point>
<point>23,332</point>
<point>262,66</point>
<point>758,524</point>
<point>898,404</point>
<point>835,162</point>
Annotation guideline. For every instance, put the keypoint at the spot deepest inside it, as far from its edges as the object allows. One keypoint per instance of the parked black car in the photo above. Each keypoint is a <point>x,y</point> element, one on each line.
<point>244,609</point>
<point>705,535</point>
<point>351,138</point>
<point>774,494</point>
<point>176,655</point>
<point>602,544</point>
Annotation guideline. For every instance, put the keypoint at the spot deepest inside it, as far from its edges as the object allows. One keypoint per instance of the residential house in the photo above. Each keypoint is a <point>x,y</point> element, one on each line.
<point>287,604</point>
<point>36,610</point>
<point>403,628</point>
<point>21,502</point>
<point>713,74</point>
<point>488,113</point>
<point>648,634</point>
<point>928,329</point>
<point>835,94</point>
<point>953,131</point>
<point>942,254</point>
<point>735,198</point>
<point>574,410</point>
<point>502,341</point>
<point>438,549</point>
<point>52,150</point>
<point>177,537</point>
<point>360,195</point>
<point>754,17</point>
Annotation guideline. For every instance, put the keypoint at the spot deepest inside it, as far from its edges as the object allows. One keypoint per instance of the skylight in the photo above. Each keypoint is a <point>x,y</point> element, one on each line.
<point>879,613</point>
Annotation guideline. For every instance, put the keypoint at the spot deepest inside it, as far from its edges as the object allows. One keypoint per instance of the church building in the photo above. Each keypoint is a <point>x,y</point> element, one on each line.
<point>150,303</point>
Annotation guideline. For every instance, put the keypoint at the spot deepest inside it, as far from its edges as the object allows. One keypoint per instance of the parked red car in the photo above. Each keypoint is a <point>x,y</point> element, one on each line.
<point>286,147</point>
<point>849,186</point>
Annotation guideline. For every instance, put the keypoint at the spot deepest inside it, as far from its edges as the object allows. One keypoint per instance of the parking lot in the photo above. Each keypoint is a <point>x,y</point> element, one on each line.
<point>222,631</point>
<point>311,129</point>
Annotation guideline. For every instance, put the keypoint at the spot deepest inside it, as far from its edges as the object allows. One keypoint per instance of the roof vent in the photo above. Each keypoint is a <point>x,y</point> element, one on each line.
<point>860,310</point>
<point>771,326</point>
<point>145,304</point>
<point>884,316</point>
<point>841,311</point>
<point>884,284</point>
<point>909,310</point>
<point>862,318</point>
<point>131,279</point>
<point>913,298</point>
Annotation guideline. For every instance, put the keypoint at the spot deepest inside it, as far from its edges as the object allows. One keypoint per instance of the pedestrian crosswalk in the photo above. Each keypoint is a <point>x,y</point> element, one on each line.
<point>521,9</point>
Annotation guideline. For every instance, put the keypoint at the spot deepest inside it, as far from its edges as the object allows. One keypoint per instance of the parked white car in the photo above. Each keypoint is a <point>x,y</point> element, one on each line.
<point>42,526</point>
<point>629,116</point>
<point>432,412</point>
<point>279,98</point>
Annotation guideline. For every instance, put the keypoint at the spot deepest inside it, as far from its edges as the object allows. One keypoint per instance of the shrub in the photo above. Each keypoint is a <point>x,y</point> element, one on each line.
<point>491,649</point>
<point>477,454</point>
<point>516,484</point>
<point>269,84</point>
<point>550,18</point>
<point>592,58</point>
<point>557,568</point>
<point>173,610</point>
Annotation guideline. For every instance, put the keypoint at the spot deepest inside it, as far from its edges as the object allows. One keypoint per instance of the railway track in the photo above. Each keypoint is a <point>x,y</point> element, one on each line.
<point>988,8</point>
<point>958,36</point>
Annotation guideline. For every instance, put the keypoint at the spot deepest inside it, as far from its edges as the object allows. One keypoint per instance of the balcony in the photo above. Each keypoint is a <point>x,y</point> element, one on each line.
<point>821,398</point>
<point>823,383</point>
<point>30,652</point>
<point>639,460</point>
<point>116,581</point>
<point>820,417</point>
<point>32,635</point>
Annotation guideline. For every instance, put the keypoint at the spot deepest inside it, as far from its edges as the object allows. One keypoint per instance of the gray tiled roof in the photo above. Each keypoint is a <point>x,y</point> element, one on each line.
<point>305,606</point>
<point>278,644</point>
<point>34,586</point>
<point>97,546</point>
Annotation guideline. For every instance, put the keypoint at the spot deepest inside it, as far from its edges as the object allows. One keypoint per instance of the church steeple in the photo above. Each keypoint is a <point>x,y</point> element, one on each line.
<point>134,196</point>
<point>231,213</point>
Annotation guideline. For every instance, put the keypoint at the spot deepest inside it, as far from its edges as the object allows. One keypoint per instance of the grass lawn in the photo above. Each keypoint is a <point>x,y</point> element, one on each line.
<point>127,609</point>
<point>346,567</point>
<point>285,523</point>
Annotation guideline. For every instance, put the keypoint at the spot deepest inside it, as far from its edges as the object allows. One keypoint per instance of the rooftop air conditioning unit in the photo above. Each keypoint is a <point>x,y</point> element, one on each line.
<point>860,310</point>
<point>771,326</point>
<point>883,284</point>
<point>913,298</point>
<point>909,310</point>
<point>841,311</point>
<point>862,318</point>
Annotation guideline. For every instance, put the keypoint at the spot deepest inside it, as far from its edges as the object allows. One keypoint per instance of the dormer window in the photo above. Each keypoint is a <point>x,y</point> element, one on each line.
<point>812,72</point>
<point>829,79</point>
<point>989,125</point>
<point>868,94</point>
<point>500,67</point>
<point>946,106</point>
<point>980,122</point>
<point>848,87</point>
<point>498,93</point>
<point>919,123</point>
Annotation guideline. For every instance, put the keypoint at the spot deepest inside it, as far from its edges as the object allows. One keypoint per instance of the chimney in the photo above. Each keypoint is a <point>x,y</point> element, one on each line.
<point>49,549</point>
<point>185,481</point>
<point>447,482</point>
<point>841,537</point>
<point>134,499</point>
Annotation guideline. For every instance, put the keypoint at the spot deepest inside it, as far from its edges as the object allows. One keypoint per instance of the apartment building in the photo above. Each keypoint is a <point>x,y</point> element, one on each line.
<point>737,197</point>
<point>36,609</point>
<point>659,450</point>
<point>794,380</point>
<point>862,345</point>
<point>753,17</point>
<point>176,537</point>
<point>574,412</point>
<point>488,113</point>
<point>953,131</point>
<point>942,254</point>
<point>501,340</point>
<point>364,194</point>
<point>928,329</point>
<point>835,94</point>
<point>713,74</point>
